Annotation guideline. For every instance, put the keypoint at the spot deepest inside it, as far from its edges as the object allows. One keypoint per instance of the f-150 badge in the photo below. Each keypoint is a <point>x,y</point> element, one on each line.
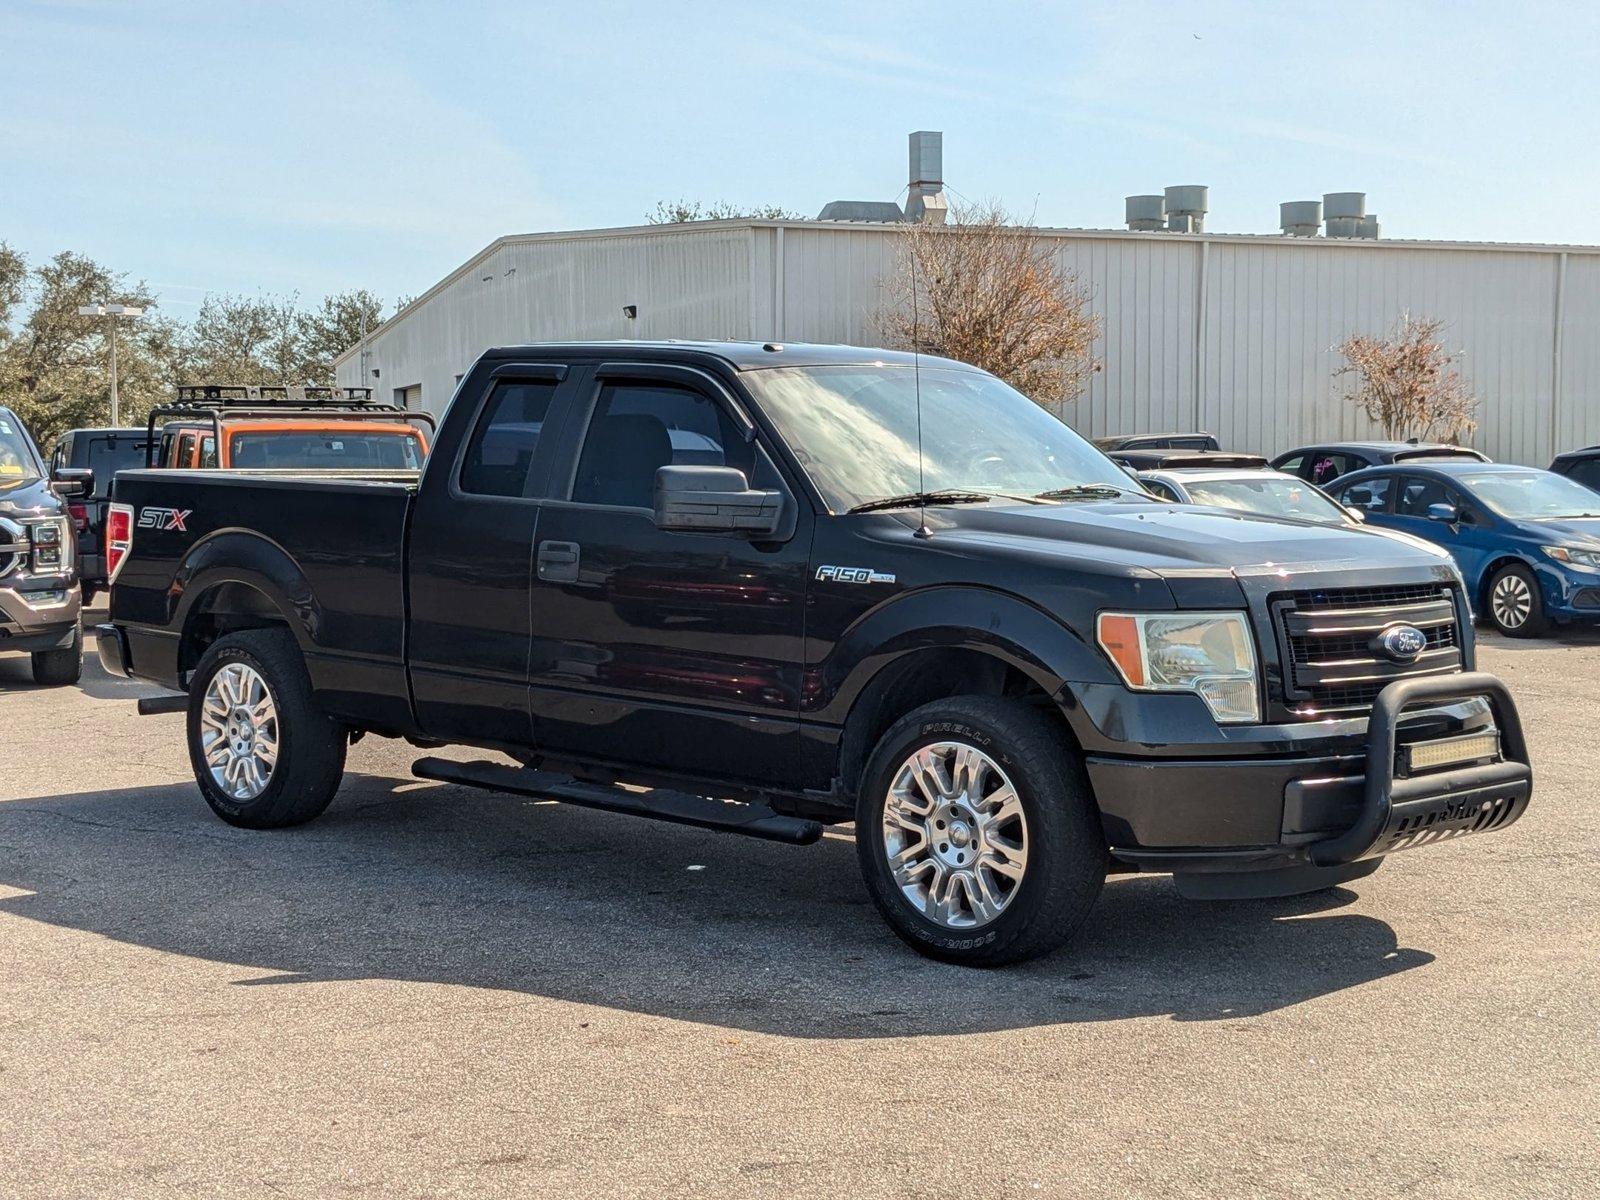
<point>853,575</point>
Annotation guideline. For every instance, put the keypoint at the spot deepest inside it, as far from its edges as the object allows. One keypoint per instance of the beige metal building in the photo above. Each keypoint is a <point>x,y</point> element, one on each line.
<point>1225,332</point>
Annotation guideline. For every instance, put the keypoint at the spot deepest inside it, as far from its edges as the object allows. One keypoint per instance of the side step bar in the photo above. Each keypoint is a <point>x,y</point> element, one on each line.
<point>661,804</point>
<point>155,706</point>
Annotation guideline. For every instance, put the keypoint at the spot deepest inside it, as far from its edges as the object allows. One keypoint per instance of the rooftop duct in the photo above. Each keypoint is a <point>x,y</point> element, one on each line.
<point>1300,218</point>
<point>926,200</point>
<point>1343,212</point>
<point>1368,227</point>
<point>1146,212</point>
<point>861,210</point>
<point>1186,207</point>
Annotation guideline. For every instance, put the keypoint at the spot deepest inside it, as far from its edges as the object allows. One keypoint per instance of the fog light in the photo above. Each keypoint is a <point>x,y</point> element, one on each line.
<point>46,599</point>
<point>1447,752</point>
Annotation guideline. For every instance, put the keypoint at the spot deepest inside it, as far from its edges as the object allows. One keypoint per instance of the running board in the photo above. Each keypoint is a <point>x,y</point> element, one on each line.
<point>660,804</point>
<point>155,706</point>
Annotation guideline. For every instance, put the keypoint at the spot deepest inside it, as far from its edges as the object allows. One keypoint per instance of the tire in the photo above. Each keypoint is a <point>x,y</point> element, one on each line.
<point>1514,593</point>
<point>307,759</point>
<point>1063,858</point>
<point>59,668</point>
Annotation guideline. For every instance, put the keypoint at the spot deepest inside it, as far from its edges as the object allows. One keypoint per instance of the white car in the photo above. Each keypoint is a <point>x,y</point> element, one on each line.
<point>1258,490</point>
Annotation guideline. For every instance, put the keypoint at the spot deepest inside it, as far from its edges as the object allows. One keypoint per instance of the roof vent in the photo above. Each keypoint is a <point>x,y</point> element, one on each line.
<point>1146,212</point>
<point>1300,218</point>
<point>1368,227</point>
<point>926,201</point>
<point>1186,208</point>
<point>861,210</point>
<point>1343,212</point>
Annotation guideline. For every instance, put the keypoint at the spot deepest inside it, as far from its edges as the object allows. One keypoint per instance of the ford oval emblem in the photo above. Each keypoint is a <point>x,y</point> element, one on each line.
<point>1403,643</point>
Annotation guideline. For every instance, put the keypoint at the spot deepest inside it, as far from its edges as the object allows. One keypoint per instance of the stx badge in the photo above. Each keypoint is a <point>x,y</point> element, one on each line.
<point>853,575</point>
<point>164,518</point>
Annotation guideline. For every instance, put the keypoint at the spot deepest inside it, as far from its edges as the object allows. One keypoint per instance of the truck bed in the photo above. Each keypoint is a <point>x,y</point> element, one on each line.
<point>327,547</point>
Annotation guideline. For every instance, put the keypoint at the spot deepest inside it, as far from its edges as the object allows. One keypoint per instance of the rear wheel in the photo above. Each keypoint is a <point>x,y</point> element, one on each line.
<point>58,668</point>
<point>977,832</point>
<point>265,756</point>
<point>1516,607</point>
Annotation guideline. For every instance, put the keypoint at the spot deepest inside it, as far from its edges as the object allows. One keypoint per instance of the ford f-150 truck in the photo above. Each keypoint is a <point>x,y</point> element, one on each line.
<point>766,588</point>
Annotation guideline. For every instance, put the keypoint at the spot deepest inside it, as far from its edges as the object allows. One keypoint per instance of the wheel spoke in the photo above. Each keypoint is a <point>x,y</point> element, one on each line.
<point>239,731</point>
<point>956,854</point>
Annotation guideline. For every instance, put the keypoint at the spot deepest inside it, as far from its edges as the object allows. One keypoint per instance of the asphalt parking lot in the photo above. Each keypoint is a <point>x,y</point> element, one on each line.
<point>435,992</point>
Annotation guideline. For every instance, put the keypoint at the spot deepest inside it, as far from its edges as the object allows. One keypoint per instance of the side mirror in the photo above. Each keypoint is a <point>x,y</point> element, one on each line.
<point>71,482</point>
<point>714,500</point>
<point>1447,513</point>
<point>1356,514</point>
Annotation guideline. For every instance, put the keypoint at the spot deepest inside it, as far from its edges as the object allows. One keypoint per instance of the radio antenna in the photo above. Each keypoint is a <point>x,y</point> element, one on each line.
<point>916,377</point>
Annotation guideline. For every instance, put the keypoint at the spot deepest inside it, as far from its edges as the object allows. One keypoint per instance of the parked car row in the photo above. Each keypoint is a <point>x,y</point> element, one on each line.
<point>1526,541</point>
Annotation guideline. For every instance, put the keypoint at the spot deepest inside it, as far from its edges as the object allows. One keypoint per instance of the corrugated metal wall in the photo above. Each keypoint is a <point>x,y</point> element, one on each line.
<point>1231,334</point>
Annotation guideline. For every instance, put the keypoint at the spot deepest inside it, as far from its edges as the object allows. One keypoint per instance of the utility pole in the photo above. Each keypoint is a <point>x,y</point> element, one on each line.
<point>112,312</point>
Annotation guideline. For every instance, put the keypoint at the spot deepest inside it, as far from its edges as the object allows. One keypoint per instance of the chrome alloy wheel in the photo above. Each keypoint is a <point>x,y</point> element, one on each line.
<point>239,731</point>
<point>1512,601</point>
<point>955,835</point>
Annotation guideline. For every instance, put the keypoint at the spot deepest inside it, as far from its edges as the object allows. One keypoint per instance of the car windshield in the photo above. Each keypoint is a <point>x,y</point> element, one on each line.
<point>854,430</point>
<point>1532,494</point>
<point>16,460</point>
<point>340,451</point>
<point>1269,496</point>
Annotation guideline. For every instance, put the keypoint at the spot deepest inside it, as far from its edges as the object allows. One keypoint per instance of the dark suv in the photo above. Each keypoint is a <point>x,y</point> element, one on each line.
<point>39,598</point>
<point>101,452</point>
<point>1323,464</point>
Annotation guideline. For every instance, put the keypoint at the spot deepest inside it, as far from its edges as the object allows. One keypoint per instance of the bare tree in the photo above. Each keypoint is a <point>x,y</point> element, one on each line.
<point>678,212</point>
<point>1407,382</point>
<point>988,291</point>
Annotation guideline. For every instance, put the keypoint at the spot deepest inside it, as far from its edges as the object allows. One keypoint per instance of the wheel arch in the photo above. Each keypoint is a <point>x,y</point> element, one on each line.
<point>238,580</point>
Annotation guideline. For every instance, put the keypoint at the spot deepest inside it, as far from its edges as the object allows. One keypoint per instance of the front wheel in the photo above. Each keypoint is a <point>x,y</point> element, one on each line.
<point>1516,606</point>
<point>977,832</point>
<point>58,668</point>
<point>265,756</point>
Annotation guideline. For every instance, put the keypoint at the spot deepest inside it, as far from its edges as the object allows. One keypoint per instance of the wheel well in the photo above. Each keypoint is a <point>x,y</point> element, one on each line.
<point>919,678</point>
<point>226,608</point>
<point>1488,575</point>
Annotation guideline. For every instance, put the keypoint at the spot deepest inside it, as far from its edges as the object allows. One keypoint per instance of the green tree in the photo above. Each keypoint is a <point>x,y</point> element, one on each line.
<point>54,364</point>
<point>335,325</point>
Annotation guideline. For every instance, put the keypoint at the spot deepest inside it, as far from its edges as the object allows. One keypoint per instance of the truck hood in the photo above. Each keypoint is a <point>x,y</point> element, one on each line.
<point>1172,538</point>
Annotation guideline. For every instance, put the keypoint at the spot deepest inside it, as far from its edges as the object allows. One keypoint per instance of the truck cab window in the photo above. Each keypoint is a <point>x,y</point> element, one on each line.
<point>638,428</point>
<point>501,451</point>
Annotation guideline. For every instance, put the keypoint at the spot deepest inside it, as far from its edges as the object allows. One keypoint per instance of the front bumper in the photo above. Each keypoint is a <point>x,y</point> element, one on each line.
<point>31,627</point>
<point>1312,820</point>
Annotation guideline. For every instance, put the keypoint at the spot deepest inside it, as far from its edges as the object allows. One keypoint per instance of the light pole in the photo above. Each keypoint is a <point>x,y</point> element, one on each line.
<point>112,312</point>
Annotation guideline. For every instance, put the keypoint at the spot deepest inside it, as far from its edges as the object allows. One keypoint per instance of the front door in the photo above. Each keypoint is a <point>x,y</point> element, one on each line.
<point>472,559</point>
<point>660,649</point>
<point>1470,540</point>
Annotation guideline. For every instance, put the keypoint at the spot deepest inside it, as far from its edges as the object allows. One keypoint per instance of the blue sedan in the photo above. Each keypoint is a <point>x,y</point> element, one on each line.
<point>1527,541</point>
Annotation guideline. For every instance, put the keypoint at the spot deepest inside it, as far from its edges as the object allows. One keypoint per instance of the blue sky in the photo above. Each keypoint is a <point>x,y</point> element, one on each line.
<point>280,147</point>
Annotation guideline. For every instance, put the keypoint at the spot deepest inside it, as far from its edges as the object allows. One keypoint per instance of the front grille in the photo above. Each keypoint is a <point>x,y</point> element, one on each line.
<point>1328,638</point>
<point>13,542</point>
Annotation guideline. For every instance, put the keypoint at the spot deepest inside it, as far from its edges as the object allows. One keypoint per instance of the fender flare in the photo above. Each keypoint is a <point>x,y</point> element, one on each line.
<point>242,556</point>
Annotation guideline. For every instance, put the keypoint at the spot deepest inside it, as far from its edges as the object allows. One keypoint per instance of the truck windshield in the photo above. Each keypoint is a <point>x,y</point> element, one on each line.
<point>1532,494</point>
<point>339,451</point>
<point>1269,496</point>
<point>854,430</point>
<point>16,460</point>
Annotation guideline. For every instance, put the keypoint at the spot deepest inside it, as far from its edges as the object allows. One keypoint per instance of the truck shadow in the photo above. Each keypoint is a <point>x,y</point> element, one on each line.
<point>419,882</point>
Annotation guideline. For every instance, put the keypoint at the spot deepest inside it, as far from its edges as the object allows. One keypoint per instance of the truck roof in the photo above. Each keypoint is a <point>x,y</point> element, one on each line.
<point>740,355</point>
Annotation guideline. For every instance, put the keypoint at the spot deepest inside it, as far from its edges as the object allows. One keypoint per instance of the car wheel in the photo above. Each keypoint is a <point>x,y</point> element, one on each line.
<point>58,668</point>
<point>1516,607</point>
<point>977,832</point>
<point>265,756</point>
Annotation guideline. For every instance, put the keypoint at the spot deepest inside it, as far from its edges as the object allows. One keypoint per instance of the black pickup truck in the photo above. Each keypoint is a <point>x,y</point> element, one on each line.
<point>765,588</point>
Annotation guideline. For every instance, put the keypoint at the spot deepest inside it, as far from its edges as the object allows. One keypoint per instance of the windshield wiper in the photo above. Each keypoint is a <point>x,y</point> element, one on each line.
<point>911,499</point>
<point>1085,491</point>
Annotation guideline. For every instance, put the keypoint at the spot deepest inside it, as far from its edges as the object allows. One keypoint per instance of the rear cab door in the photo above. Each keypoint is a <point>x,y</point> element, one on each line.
<point>471,551</point>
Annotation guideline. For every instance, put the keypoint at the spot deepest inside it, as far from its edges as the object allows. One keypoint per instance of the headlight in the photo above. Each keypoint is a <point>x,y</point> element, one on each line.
<point>1573,555</point>
<point>1209,654</point>
<point>52,540</point>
